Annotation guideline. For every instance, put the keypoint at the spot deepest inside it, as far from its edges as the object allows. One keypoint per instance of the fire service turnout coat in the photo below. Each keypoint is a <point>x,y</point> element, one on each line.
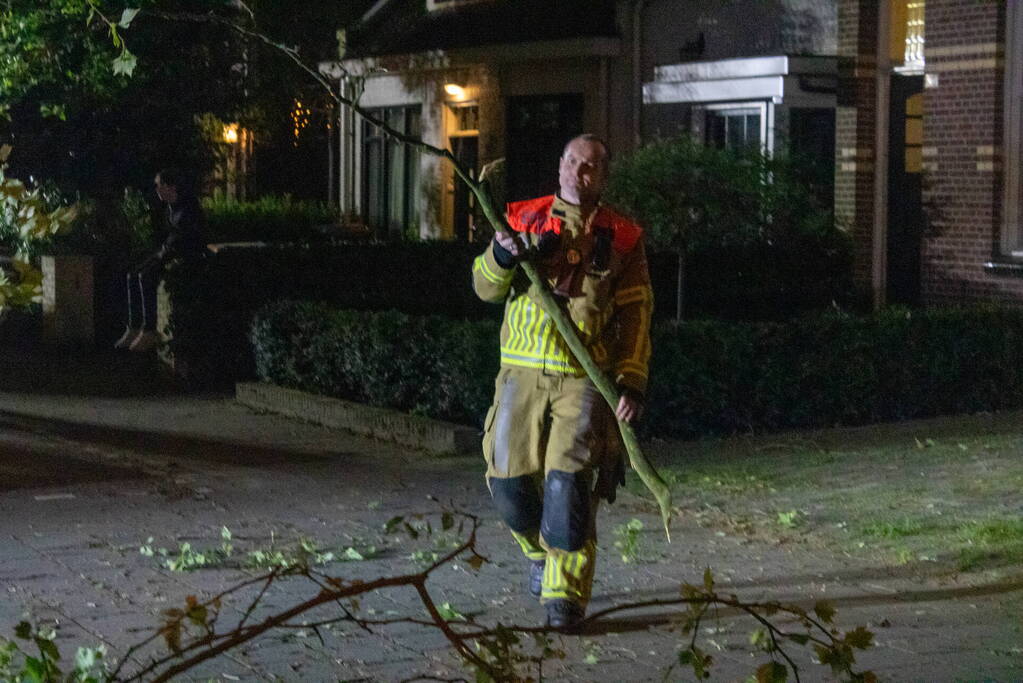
<point>598,275</point>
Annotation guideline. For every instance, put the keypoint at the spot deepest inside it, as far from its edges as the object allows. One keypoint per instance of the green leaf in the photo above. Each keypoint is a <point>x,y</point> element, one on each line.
<point>859,638</point>
<point>23,630</point>
<point>35,669</point>
<point>48,649</point>
<point>124,64</point>
<point>86,658</point>
<point>824,610</point>
<point>708,580</point>
<point>353,554</point>
<point>800,638</point>
<point>449,613</point>
<point>392,524</point>
<point>127,16</point>
<point>772,672</point>
<point>447,521</point>
<point>225,533</point>
<point>590,659</point>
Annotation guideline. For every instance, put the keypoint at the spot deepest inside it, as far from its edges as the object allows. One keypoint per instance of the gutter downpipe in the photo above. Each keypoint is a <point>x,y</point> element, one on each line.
<point>637,72</point>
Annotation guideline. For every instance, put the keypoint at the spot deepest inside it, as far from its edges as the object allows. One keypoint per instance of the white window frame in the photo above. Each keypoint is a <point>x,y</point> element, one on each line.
<point>1012,206</point>
<point>766,110</point>
<point>433,5</point>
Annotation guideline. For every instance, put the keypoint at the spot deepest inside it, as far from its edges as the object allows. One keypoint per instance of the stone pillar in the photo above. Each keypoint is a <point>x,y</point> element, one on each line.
<point>68,300</point>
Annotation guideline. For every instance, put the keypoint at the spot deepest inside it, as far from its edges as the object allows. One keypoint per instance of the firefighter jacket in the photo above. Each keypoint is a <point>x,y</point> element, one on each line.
<point>598,272</point>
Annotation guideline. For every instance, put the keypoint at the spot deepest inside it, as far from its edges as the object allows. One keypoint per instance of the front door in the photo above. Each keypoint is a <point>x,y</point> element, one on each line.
<point>465,149</point>
<point>537,128</point>
<point>905,206</point>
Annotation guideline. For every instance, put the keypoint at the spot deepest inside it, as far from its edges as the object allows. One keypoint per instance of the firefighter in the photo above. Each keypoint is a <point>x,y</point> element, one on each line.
<point>550,440</point>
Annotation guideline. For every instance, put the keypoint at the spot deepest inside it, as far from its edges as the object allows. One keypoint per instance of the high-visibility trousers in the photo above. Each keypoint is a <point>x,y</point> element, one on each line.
<point>544,436</point>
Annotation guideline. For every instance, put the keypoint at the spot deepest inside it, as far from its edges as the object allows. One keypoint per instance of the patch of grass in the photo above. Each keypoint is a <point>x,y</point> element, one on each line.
<point>627,540</point>
<point>990,541</point>
<point>940,492</point>
<point>893,528</point>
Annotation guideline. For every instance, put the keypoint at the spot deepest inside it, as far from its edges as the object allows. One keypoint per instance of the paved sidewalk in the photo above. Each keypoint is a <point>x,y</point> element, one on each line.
<point>89,473</point>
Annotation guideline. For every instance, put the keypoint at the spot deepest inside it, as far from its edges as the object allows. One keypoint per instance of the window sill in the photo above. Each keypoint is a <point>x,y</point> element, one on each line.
<point>1008,268</point>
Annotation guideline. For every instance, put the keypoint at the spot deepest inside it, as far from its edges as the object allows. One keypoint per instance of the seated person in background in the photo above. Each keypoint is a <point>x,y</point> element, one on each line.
<point>185,240</point>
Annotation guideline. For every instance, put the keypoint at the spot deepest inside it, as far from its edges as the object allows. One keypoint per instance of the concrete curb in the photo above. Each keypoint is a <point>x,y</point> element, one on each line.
<point>433,436</point>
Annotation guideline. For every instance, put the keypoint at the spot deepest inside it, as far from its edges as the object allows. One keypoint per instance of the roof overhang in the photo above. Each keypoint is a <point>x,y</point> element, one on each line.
<point>444,59</point>
<point>754,78</point>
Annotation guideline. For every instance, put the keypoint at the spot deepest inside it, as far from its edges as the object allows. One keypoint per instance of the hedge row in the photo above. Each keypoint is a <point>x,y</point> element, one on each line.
<point>707,377</point>
<point>216,299</point>
<point>213,302</point>
<point>427,365</point>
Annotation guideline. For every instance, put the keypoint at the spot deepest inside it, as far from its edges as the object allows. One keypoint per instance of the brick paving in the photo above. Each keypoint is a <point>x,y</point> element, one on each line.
<point>92,476</point>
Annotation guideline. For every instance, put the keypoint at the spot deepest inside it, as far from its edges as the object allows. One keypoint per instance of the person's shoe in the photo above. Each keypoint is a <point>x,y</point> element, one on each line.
<point>146,341</point>
<point>565,615</point>
<point>130,334</point>
<point>536,577</point>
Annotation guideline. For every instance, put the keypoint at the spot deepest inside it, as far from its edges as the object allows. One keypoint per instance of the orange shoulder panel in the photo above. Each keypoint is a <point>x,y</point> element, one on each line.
<point>529,215</point>
<point>626,232</point>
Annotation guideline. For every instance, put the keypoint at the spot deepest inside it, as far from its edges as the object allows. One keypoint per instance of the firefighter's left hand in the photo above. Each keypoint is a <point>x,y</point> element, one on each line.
<point>630,407</point>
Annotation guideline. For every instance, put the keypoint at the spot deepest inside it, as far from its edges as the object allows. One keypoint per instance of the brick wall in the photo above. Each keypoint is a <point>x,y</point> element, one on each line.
<point>854,129</point>
<point>963,133</point>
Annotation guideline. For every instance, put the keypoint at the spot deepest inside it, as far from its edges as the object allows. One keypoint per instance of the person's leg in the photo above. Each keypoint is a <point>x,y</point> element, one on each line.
<point>148,279</point>
<point>133,325</point>
<point>512,440</point>
<point>568,529</point>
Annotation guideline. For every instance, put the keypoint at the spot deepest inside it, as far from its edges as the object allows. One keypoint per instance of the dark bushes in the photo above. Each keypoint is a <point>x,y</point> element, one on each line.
<point>707,377</point>
<point>427,365</point>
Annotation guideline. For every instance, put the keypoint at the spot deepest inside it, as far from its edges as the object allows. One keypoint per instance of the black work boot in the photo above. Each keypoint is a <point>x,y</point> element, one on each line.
<point>565,615</point>
<point>536,577</point>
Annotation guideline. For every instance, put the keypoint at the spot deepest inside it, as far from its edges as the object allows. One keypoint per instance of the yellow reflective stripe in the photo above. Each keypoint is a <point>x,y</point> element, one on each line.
<point>480,264</point>
<point>633,367</point>
<point>640,353</point>
<point>632,294</point>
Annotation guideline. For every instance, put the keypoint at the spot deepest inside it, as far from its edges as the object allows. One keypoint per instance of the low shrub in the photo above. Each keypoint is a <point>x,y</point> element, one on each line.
<point>268,219</point>
<point>707,377</point>
<point>217,298</point>
<point>213,301</point>
<point>426,365</point>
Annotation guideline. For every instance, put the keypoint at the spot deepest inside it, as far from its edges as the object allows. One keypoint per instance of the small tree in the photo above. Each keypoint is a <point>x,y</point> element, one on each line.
<point>692,197</point>
<point>25,219</point>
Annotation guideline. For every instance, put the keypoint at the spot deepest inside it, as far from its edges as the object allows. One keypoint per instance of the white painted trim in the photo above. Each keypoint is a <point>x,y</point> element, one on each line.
<point>762,88</point>
<point>542,51</point>
<point>764,109</point>
<point>1012,212</point>
<point>747,67</point>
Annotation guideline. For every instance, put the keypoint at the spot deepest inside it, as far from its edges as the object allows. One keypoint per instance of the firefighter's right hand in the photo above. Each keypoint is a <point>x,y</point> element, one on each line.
<point>507,249</point>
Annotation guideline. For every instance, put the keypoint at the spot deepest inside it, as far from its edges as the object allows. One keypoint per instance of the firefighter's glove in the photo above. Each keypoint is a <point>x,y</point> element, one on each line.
<point>610,476</point>
<point>508,250</point>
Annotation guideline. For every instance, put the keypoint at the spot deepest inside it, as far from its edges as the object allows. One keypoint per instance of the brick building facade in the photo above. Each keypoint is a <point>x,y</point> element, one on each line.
<point>928,138</point>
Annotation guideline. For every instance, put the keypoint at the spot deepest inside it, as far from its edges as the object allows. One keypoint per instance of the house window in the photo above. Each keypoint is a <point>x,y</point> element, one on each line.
<point>735,127</point>
<point>1012,228</point>
<point>390,174</point>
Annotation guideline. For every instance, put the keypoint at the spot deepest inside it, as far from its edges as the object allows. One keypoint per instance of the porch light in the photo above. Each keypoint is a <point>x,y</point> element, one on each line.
<point>455,90</point>
<point>231,133</point>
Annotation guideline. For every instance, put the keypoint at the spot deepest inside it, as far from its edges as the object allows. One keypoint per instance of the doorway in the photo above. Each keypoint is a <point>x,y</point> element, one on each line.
<point>538,126</point>
<point>905,190</point>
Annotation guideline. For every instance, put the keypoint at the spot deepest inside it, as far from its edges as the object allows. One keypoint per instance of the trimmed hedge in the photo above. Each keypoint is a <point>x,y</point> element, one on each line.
<point>213,301</point>
<point>707,377</point>
<point>428,365</point>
